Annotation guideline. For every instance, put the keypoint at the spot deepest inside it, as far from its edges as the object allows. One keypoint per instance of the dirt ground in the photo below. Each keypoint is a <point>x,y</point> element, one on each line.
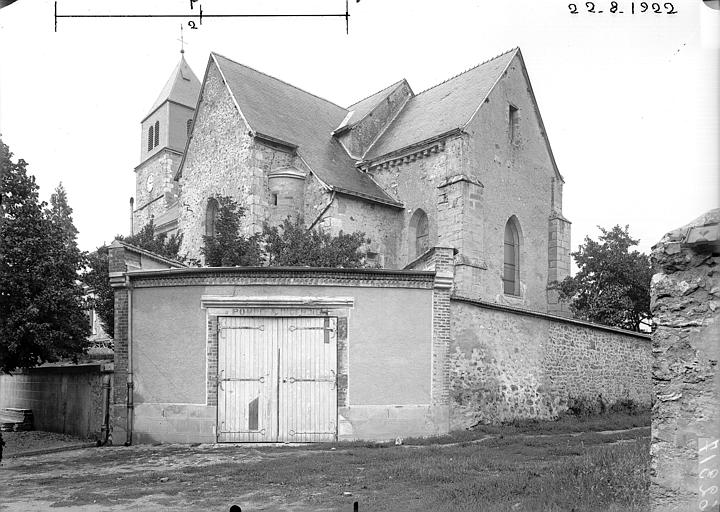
<point>495,473</point>
<point>21,442</point>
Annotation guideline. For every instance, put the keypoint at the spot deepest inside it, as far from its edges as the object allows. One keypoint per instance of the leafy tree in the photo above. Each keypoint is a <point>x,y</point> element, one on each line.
<point>292,244</point>
<point>612,286</point>
<point>42,311</point>
<point>97,276</point>
<point>97,279</point>
<point>229,247</point>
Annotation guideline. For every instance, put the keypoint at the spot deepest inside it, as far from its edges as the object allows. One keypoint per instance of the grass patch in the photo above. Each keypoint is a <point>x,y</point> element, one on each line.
<point>562,471</point>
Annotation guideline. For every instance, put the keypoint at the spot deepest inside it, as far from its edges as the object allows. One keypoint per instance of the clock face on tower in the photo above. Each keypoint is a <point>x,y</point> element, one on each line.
<point>150,183</point>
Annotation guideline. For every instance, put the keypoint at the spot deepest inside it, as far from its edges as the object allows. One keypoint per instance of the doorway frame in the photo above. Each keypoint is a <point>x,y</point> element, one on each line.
<point>216,306</point>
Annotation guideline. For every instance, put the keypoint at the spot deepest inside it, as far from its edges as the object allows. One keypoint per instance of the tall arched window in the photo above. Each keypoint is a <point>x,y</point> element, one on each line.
<point>419,239</point>
<point>211,217</point>
<point>157,132</point>
<point>150,138</point>
<point>511,267</point>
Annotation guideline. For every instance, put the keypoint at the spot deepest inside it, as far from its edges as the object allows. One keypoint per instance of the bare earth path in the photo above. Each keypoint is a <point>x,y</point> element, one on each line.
<point>502,473</point>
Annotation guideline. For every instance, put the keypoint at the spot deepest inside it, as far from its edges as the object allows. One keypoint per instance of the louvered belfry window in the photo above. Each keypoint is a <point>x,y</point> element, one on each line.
<point>150,138</point>
<point>157,133</point>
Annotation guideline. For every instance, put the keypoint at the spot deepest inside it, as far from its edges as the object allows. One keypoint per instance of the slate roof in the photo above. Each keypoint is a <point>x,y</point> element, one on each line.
<point>182,87</point>
<point>357,111</point>
<point>277,110</point>
<point>442,108</point>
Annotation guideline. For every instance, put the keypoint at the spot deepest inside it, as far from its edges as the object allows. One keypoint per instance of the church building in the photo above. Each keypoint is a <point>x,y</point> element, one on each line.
<point>465,164</point>
<point>452,323</point>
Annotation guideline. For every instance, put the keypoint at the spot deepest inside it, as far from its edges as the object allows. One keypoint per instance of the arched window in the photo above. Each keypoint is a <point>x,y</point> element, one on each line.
<point>419,241</point>
<point>157,133</point>
<point>188,127</point>
<point>211,217</point>
<point>150,138</point>
<point>511,267</point>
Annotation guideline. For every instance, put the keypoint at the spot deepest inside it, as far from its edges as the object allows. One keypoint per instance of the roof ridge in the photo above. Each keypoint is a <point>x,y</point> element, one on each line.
<point>517,48</point>
<point>279,80</point>
<point>376,92</point>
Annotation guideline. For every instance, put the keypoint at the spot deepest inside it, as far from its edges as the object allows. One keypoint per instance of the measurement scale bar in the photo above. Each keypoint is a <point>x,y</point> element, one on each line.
<point>202,15</point>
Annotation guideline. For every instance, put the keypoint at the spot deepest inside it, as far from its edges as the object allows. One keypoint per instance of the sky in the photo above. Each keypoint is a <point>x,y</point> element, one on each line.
<point>629,101</point>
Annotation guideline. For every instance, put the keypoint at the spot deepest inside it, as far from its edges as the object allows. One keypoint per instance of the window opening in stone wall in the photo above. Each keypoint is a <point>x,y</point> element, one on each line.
<point>211,217</point>
<point>419,234</point>
<point>273,199</point>
<point>513,123</point>
<point>511,267</point>
<point>150,138</point>
<point>157,133</point>
<point>188,127</point>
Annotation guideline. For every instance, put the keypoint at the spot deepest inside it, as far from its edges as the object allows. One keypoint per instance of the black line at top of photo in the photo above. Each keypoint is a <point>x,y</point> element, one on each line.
<point>202,15</point>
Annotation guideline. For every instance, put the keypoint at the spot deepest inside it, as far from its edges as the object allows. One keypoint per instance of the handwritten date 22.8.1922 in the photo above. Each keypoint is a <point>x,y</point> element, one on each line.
<point>623,8</point>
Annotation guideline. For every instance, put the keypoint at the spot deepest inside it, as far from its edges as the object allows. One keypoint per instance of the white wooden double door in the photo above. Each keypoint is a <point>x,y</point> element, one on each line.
<point>277,379</point>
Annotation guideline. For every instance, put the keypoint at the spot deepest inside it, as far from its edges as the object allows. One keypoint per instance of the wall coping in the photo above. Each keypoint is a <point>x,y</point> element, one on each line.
<point>153,256</point>
<point>283,276</point>
<point>62,367</point>
<point>548,316</point>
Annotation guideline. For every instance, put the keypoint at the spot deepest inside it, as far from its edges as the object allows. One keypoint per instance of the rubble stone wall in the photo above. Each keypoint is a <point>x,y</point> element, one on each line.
<point>686,346</point>
<point>507,363</point>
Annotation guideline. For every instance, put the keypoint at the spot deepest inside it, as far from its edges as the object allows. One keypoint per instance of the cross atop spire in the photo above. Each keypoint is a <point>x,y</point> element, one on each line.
<point>182,40</point>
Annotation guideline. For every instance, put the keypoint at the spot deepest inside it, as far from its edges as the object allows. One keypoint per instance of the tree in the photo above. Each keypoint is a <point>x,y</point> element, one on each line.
<point>42,311</point>
<point>97,277</point>
<point>612,286</point>
<point>292,244</point>
<point>228,247</point>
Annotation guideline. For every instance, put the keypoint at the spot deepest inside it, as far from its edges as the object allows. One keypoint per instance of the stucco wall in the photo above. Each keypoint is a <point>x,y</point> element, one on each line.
<point>508,364</point>
<point>389,333</point>
<point>385,364</point>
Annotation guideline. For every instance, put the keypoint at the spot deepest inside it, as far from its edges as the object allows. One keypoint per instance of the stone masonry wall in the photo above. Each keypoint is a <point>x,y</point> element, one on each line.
<point>518,179</point>
<point>380,223</point>
<point>507,363</point>
<point>414,181</point>
<point>223,159</point>
<point>686,344</point>
<point>160,170</point>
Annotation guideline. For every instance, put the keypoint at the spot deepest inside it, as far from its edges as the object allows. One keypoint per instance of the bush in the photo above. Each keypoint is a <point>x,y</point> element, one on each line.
<point>583,407</point>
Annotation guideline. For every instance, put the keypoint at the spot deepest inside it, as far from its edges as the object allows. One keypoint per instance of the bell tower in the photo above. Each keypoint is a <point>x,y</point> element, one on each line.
<point>164,133</point>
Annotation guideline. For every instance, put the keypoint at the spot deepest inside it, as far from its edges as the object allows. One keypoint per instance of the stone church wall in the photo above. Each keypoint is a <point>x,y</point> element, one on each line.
<point>414,181</point>
<point>380,223</point>
<point>517,178</point>
<point>160,170</point>
<point>222,159</point>
<point>506,363</point>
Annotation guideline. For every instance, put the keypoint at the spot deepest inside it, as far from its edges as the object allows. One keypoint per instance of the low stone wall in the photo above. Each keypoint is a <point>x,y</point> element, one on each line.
<point>507,363</point>
<point>686,418</point>
<point>63,398</point>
